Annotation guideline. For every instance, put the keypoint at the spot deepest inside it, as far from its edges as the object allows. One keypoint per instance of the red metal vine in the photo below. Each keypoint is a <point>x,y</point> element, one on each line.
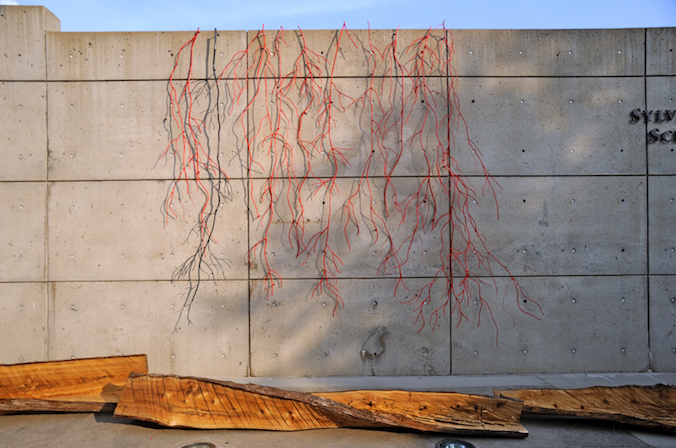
<point>410,108</point>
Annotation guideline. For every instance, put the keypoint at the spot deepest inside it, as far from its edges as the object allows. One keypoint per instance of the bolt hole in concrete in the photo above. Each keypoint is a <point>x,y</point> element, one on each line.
<point>446,443</point>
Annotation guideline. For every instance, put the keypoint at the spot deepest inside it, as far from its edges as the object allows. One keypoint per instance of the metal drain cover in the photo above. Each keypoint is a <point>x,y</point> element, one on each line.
<point>449,443</point>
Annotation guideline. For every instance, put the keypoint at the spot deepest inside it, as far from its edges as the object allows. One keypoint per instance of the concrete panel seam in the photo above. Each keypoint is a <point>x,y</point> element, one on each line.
<point>47,200</point>
<point>647,202</point>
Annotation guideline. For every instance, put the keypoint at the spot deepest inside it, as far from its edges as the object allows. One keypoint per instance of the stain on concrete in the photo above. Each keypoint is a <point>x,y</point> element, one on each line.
<point>374,347</point>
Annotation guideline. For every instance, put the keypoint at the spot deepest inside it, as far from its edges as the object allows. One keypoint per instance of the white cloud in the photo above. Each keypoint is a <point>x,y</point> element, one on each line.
<point>8,2</point>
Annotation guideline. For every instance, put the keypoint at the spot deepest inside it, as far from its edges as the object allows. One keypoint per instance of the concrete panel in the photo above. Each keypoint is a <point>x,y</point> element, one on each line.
<point>115,231</point>
<point>563,225</point>
<point>544,126</point>
<point>23,322</point>
<point>294,334</point>
<point>590,324</point>
<point>134,56</point>
<point>336,53</point>
<point>124,318</point>
<point>367,249</point>
<point>549,52</point>
<point>23,131</point>
<point>119,130</point>
<point>369,129</point>
<point>23,236</point>
<point>661,94</point>
<point>661,51</point>
<point>22,41</point>
<point>662,206</point>
<point>663,323</point>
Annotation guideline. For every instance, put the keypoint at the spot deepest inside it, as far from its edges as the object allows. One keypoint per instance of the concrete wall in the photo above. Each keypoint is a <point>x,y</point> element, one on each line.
<point>586,214</point>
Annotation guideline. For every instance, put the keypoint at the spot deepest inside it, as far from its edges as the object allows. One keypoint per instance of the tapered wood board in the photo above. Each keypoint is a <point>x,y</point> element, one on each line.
<point>454,410</point>
<point>20,405</point>
<point>649,406</point>
<point>209,404</point>
<point>79,385</point>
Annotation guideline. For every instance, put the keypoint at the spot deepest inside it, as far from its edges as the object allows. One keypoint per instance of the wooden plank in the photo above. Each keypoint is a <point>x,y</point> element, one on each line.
<point>82,385</point>
<point>16,405</point>
<point>209,404</point>
<point>650,406</point>
<point>450,409</point>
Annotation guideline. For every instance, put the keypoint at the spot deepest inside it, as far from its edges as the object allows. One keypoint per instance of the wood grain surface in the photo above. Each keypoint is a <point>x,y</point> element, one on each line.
<point>79,385</point>
<point>448,409</point>
<point>650,406</point>
<point>209,404</point>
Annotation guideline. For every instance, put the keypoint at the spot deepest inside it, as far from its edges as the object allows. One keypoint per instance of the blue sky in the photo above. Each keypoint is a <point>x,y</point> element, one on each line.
<point>173,15</point>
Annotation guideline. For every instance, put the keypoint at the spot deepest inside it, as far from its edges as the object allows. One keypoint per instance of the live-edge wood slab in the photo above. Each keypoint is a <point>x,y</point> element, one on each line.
<point>78,385</point>
<point>649,406</point>
<point>189,402</point>
<point>450,409</point>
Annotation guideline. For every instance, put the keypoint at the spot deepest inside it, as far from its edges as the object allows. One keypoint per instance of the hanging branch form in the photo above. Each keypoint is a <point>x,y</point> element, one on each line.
<point>293,107</point>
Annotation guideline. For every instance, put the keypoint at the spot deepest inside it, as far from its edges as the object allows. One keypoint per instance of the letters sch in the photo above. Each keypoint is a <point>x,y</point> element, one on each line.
<point>657,116</point>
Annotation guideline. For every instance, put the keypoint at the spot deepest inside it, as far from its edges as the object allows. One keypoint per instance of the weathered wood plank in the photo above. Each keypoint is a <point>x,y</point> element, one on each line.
<point>650,406</point>
<point>15,405</point>
<point>92,382</point>
<point>210,404</point>
<point>454,410</point>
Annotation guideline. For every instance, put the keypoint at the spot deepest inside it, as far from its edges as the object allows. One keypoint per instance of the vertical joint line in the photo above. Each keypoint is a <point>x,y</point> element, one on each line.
<point>248,203</point>
<point>647,190</point>
<point>48,297</point>
<point>450,201</point>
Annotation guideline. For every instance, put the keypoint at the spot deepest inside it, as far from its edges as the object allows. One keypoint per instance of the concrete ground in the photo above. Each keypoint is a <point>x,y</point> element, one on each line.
<point>102,430</point>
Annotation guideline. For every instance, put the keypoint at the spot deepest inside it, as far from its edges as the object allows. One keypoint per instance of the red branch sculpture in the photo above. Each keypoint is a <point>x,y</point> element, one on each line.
<point>290,122</point>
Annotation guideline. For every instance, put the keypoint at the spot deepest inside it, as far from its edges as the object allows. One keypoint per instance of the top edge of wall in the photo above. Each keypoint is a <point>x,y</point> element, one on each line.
<point>152,55</point>
<point>101,56</point>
